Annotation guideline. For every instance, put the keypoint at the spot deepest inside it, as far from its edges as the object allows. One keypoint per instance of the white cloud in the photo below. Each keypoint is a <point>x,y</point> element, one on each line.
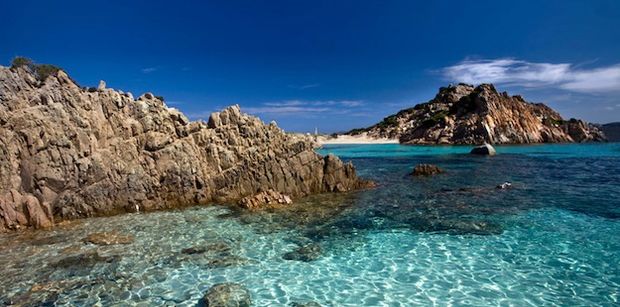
<point>148,70</point>
<point>301,106</point>
<point>305,86</point>
<point>527,74</point>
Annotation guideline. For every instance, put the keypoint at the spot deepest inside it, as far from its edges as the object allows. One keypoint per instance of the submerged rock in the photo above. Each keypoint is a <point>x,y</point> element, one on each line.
<point>505,185</point>
<point>68,153</point>
<point>426,170</point>
<point>306,304</point>
<point>306,253</point>
<point>486,150</point>
<point>108,238</point>
<point>227,295</point>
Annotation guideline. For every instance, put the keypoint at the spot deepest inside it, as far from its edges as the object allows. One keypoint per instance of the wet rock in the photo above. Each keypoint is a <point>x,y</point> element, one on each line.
<point>426,170</point>
<point>264,198</point>
<point>504,186</point>
<point>486,150</point>
<point>108,238</point>
<point>227,295</point>
<point>194,250</point>
<point>306,304</point>
<point>83,264</point>
<point>306,253</point>
<point>223,261</point>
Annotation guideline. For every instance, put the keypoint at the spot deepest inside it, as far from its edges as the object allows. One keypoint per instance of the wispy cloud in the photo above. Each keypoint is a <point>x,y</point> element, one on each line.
<point>302,106</point>
<point>148,70</point>
<point>305,86</point>
<point>528,74</point>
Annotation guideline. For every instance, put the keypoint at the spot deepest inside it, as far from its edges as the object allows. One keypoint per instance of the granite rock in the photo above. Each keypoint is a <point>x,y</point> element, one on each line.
<point>464,114</point>
<point>67,152</point>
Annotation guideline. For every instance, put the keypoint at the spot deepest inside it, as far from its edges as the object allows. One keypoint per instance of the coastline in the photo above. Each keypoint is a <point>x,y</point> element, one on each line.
<point>348,139</point>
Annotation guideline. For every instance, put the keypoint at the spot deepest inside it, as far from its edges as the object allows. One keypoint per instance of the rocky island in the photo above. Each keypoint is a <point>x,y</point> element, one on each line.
<point>464,114</point>
<point>69,152</point>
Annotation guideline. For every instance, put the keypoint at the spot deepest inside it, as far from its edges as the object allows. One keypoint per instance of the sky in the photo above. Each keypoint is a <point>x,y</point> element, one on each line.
<point>331,65</point>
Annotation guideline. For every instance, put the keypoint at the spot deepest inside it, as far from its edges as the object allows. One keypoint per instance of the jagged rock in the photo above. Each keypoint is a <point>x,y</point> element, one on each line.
<point>261,199</point>
<point>227,295</point>
<point>101,85</point>
<point>83,153</point>
<point>486,150</point>
<point>426,170</point>
<point>108,238</point>
<point>306,253</point>
<point>464,114</point>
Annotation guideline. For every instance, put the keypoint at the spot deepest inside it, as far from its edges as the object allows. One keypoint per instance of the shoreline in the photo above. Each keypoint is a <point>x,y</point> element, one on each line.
<point>348,139</point>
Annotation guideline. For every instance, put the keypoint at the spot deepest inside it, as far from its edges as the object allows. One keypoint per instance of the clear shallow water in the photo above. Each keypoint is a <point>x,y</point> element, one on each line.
<point>554,239</point>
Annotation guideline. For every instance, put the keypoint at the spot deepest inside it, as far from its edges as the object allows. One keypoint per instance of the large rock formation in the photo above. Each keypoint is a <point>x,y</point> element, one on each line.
<point>464,114</point>
<point>69,152</point>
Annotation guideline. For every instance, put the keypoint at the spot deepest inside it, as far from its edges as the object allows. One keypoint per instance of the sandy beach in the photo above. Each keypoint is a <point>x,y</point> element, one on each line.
<point>357,139</point>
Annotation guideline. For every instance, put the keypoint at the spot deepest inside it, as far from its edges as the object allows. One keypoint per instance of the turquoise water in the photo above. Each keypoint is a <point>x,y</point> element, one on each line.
<point>451,239</point>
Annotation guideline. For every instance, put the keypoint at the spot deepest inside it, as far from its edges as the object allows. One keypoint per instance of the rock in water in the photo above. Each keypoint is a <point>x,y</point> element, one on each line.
<point>108,238</point>
<point>227,295</point>
<point>464,114</point>
<point>305,253</point>
<point>426,170</point>
<point>67,152</point>
<point>485,149</point>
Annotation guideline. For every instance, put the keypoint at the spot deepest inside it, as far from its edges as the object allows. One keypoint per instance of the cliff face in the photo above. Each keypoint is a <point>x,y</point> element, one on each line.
<point>464,114</point>
<point>67,152</point>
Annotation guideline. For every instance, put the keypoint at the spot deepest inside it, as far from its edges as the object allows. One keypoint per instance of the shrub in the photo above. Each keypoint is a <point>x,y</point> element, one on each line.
<point>160,98</point>
<point>45,70</point>
<point>21,61</point>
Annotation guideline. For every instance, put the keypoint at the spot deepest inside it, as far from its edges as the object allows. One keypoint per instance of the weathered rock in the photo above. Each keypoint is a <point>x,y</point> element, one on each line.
<point>101,85</point>
<point>261,199</point>
<point>486,150</point>
<point>464,114</point>
<point>306,253</point>
<point>227,295</point>
<point>66,153</point>
<point>108,238</point>
<point>426,170</point>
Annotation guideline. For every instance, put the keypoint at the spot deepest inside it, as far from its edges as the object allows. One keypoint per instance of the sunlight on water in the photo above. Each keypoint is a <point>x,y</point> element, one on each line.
<point>453,239</point>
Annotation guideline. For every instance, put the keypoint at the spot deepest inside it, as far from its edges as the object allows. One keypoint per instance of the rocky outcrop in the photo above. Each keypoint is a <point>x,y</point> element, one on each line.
<point>464,114</point>
<point>68,152</point>
<point>426,170</point>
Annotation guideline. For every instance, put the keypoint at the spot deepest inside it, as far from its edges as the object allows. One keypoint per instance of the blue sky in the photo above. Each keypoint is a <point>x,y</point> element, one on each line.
<point>334,65</point>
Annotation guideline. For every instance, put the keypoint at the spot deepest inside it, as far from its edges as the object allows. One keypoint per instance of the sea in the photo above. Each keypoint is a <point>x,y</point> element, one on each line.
<point>549,238</point>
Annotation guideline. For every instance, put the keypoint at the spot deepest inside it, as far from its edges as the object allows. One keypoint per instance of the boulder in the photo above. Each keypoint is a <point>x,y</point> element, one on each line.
<point>227,295</point>
<point>485,149</point>
<point>426,170</point>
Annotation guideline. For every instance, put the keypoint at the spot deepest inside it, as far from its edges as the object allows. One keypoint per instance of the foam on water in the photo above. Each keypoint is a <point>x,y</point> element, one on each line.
<point>409,242</point>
